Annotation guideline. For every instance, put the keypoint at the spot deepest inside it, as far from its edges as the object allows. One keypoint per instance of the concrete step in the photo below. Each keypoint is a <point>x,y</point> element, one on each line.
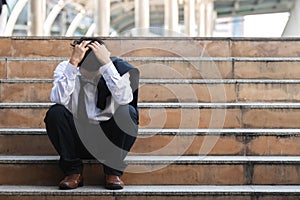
<point>217,67</point>
<point>157,192</point>
<point>60,46</point>
<point>149,91</point>
<point>249,142</point>
<point>161,170</point>
<point>175,115</point>
<point>158,46</point>
<point>168,67</point>
<point>172,90</point>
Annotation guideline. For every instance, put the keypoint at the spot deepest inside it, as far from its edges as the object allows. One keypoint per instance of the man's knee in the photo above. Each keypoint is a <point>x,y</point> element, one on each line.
<point>133,114</point>
<point>56,113</point>
<point>126,119</point>
<point>126,112</point>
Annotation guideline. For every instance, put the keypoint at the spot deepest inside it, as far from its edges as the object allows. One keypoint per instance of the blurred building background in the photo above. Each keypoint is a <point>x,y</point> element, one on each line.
<point>195,18</point>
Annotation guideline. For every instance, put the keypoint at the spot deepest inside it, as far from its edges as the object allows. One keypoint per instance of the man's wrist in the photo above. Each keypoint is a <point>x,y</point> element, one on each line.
<point>105,61</point>
<point>105,67</point>
<point>74,62</point>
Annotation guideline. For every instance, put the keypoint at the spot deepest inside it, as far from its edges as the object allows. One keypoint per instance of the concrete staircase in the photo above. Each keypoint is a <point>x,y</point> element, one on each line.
<point>219,119</point>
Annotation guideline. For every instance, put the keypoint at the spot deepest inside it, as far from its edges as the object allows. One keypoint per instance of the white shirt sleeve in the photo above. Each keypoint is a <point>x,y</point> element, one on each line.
<point>64,83</point>
<point>119,86</point>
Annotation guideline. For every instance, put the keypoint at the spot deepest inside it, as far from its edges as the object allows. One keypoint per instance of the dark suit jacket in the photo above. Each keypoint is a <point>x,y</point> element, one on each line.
<point>122,67</point>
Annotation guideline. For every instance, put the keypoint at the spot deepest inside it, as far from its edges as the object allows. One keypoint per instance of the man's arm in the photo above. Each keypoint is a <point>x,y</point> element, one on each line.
<point>119,86</point>
<point>64,83</point>
<point>65,74</point>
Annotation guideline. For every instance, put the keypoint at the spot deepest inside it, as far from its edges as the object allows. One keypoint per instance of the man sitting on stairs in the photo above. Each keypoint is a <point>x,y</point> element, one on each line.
<point>95,113</point>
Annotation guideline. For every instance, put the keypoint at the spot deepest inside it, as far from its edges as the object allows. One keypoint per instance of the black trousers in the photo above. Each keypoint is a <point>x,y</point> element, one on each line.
<point>109,142</point>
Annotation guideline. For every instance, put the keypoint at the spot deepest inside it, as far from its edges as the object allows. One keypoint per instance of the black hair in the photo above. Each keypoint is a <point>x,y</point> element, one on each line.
<point>92,39</point>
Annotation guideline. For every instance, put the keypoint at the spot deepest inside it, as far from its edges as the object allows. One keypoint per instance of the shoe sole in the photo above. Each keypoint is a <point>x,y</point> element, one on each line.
<point>114,187</point>
<point>63,187</point>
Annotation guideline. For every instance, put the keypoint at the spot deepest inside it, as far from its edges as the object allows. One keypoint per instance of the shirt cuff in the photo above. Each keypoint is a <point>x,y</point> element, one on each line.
<point>71,71</point>
<point>108,70</point>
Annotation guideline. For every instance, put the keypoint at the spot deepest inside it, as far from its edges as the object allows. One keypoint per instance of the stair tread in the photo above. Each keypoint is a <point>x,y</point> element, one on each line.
<point>11,190</point>
<point>185,58</point>
<point>166,131</point>
<point>142,159</point>
<point>279,105</point>
<point>178,81</point>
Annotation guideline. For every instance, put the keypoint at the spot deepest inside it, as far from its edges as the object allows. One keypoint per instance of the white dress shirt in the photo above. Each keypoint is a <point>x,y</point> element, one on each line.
<point>66,88</point>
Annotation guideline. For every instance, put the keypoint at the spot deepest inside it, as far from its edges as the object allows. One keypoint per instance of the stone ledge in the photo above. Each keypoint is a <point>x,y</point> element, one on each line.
<point>178,132</point>
<point>195,105</point>
<point>178,81</point>
<point>166,59</point>
<point>159,190</point>
<point>162,160</point>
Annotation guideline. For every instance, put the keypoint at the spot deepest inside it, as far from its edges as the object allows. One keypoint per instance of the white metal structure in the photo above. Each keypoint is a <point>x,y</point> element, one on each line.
<point>101,17</point>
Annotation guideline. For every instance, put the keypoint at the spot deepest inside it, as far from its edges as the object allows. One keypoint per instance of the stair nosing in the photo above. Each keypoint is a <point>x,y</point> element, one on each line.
<point>184,58</point>
<point>163,160</point>
<point>183,105</point>
<point>151,190</point>
<point>176,132</point>
<point>219,81</point>
<point>177,81</point>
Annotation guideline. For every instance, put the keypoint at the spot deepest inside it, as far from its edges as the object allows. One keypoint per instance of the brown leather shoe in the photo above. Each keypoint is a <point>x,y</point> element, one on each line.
<point>113,182</point>
<point>71,182</point>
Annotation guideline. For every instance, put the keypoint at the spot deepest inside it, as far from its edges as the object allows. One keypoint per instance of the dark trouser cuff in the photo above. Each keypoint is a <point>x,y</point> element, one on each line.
<point>111,171</point>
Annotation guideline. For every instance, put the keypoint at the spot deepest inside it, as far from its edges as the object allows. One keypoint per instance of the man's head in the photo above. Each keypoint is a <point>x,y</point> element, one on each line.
<point>89,61</point>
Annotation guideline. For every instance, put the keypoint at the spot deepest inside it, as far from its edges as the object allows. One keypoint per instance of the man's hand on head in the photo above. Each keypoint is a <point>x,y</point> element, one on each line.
<point>101,52</point>
<point>78,53</point>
